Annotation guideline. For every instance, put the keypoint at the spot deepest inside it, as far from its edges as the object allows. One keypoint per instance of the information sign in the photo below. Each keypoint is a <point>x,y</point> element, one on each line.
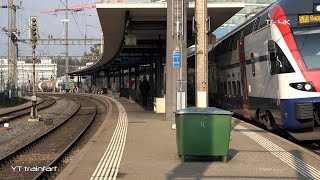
<point>176,59</point>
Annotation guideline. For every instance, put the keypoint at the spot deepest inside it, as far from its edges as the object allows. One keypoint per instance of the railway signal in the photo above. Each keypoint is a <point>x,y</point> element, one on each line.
<point>34,33</point>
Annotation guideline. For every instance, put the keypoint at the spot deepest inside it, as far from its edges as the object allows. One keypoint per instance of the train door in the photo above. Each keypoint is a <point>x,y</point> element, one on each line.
<point>244,80</point>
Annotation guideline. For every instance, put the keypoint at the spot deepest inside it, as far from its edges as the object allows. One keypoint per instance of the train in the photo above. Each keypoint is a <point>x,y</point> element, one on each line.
<point>52,86</point>
<point>268,69</point>
<point>48,86</point>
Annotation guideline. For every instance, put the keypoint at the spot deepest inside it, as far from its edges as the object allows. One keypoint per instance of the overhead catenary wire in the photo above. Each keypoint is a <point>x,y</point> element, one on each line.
<point>45,31</point>
<point>72,17</point>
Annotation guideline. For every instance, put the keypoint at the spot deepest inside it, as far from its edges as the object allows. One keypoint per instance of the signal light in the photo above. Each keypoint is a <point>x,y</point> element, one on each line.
<point>33,22</point>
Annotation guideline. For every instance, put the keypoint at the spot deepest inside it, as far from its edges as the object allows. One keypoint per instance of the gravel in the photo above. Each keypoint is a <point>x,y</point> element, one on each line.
<point>21,131</point>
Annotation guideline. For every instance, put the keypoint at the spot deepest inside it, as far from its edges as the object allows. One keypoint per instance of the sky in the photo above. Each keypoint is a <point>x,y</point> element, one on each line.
<point>81,24</point>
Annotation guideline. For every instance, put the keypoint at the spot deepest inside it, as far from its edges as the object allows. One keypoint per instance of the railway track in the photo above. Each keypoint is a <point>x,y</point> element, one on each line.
<point>313,146</point>
<point>39,158</point>
<point>8,116</point>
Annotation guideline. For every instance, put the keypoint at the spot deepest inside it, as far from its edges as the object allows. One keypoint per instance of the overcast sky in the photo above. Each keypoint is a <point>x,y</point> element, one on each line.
<point>81,24</point>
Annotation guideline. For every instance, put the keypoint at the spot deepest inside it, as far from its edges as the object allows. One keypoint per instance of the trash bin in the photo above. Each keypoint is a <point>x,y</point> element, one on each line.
<point>203,132</point>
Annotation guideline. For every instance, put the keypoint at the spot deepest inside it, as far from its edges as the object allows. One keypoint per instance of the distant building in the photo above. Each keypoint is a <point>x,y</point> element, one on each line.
<point>45,71</point>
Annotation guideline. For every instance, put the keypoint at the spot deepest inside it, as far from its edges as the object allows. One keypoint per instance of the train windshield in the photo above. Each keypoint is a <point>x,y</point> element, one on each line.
<point>308,42</point>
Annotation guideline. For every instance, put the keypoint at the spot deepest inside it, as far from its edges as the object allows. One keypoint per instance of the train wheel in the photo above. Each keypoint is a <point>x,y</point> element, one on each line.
<point>317,122</point>
<point>260,117</point>
<point>265,118</point>
<point>268,122</point>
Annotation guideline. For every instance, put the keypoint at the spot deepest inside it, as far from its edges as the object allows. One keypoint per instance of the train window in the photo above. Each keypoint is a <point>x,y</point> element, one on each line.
<point>223,47</point>
<point>220,49</point>
<point>263,20</point>
<point>241,38</point>
<point>238,88</point>
<point>248,28</point>
<point>285,66</point>
<point>228,44</point>
<point>278,60</point>
<point>234,88</point>
<point>235,41</point>
<point>253,65</point>
<point>255,25</point>
<point>231,43</point>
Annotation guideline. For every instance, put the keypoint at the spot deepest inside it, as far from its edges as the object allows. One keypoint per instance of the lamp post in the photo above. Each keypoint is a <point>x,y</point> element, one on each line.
<point>6,31</point>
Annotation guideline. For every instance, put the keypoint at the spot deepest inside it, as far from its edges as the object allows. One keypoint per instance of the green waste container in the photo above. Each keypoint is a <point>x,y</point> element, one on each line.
<point>203,132</point>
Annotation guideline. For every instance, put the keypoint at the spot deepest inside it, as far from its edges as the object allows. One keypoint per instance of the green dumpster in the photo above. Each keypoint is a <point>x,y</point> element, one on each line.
<point>203,132</point>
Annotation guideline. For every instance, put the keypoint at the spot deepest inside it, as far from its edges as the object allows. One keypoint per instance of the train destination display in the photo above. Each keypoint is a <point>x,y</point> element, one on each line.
<point>309,19</point>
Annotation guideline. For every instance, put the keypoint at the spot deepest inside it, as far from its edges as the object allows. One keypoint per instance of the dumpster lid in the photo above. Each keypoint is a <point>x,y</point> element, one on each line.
<point>206,110</point>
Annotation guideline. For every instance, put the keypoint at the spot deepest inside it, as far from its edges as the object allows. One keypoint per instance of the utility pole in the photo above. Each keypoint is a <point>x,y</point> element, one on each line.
<point>178,21</point>
<point>66,38</point>
<point>14,33</point>
<point>176,64</point>
<point>201,61</point>
<point>10,3</point>
<point>74,8</point>
<point>12,48</point>
<point>1,80</point>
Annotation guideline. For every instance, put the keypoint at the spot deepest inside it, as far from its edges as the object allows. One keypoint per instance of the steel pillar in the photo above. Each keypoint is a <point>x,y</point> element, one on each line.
<point>172,73</point>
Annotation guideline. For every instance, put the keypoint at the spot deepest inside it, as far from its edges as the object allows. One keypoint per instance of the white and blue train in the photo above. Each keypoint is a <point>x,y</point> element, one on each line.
<point>268,69</point>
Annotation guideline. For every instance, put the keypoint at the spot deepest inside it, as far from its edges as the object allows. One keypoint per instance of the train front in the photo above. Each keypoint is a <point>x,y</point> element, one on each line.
<point>296,30</point>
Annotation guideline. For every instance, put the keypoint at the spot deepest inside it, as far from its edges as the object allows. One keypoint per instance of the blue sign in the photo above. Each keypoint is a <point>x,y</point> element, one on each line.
<point>176,59</point>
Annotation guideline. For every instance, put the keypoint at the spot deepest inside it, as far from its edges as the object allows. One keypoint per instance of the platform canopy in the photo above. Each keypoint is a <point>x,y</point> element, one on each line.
<point>144,22</point>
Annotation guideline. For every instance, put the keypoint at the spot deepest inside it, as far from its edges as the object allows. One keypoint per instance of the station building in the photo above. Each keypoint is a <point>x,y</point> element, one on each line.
<point>46,70</point>
<point>139,41</point>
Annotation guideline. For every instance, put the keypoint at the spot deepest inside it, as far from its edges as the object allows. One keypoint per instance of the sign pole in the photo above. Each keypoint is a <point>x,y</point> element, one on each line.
<point>34,114</point>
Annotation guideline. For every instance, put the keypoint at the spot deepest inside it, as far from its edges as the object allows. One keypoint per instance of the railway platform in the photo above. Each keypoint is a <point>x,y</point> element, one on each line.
<point>143,146</point>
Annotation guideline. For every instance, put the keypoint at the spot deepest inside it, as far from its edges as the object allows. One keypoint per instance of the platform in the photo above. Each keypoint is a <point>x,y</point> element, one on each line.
<point>150,152</point>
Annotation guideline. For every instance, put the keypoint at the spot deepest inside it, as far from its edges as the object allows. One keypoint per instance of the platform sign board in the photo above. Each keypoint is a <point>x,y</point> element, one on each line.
<point>176,59</point>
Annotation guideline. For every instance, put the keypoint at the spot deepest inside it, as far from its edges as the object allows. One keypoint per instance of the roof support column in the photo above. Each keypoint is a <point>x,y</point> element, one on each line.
<point>158,81</point>
<point>172,74</point>
<point>136,79</point>
<point>130,82</point>
<point>201,54</point>
<point>108,77</point>
<point>151,79</point>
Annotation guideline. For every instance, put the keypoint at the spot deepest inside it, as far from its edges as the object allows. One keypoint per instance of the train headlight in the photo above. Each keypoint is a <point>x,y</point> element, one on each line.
<point>308,86</point>
<point>318,8</point>
<point>299,86</point>
<point>303,86</point>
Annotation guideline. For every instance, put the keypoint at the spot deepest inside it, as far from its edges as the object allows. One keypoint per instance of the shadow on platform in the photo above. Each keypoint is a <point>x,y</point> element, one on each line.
<point>194,167</point>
